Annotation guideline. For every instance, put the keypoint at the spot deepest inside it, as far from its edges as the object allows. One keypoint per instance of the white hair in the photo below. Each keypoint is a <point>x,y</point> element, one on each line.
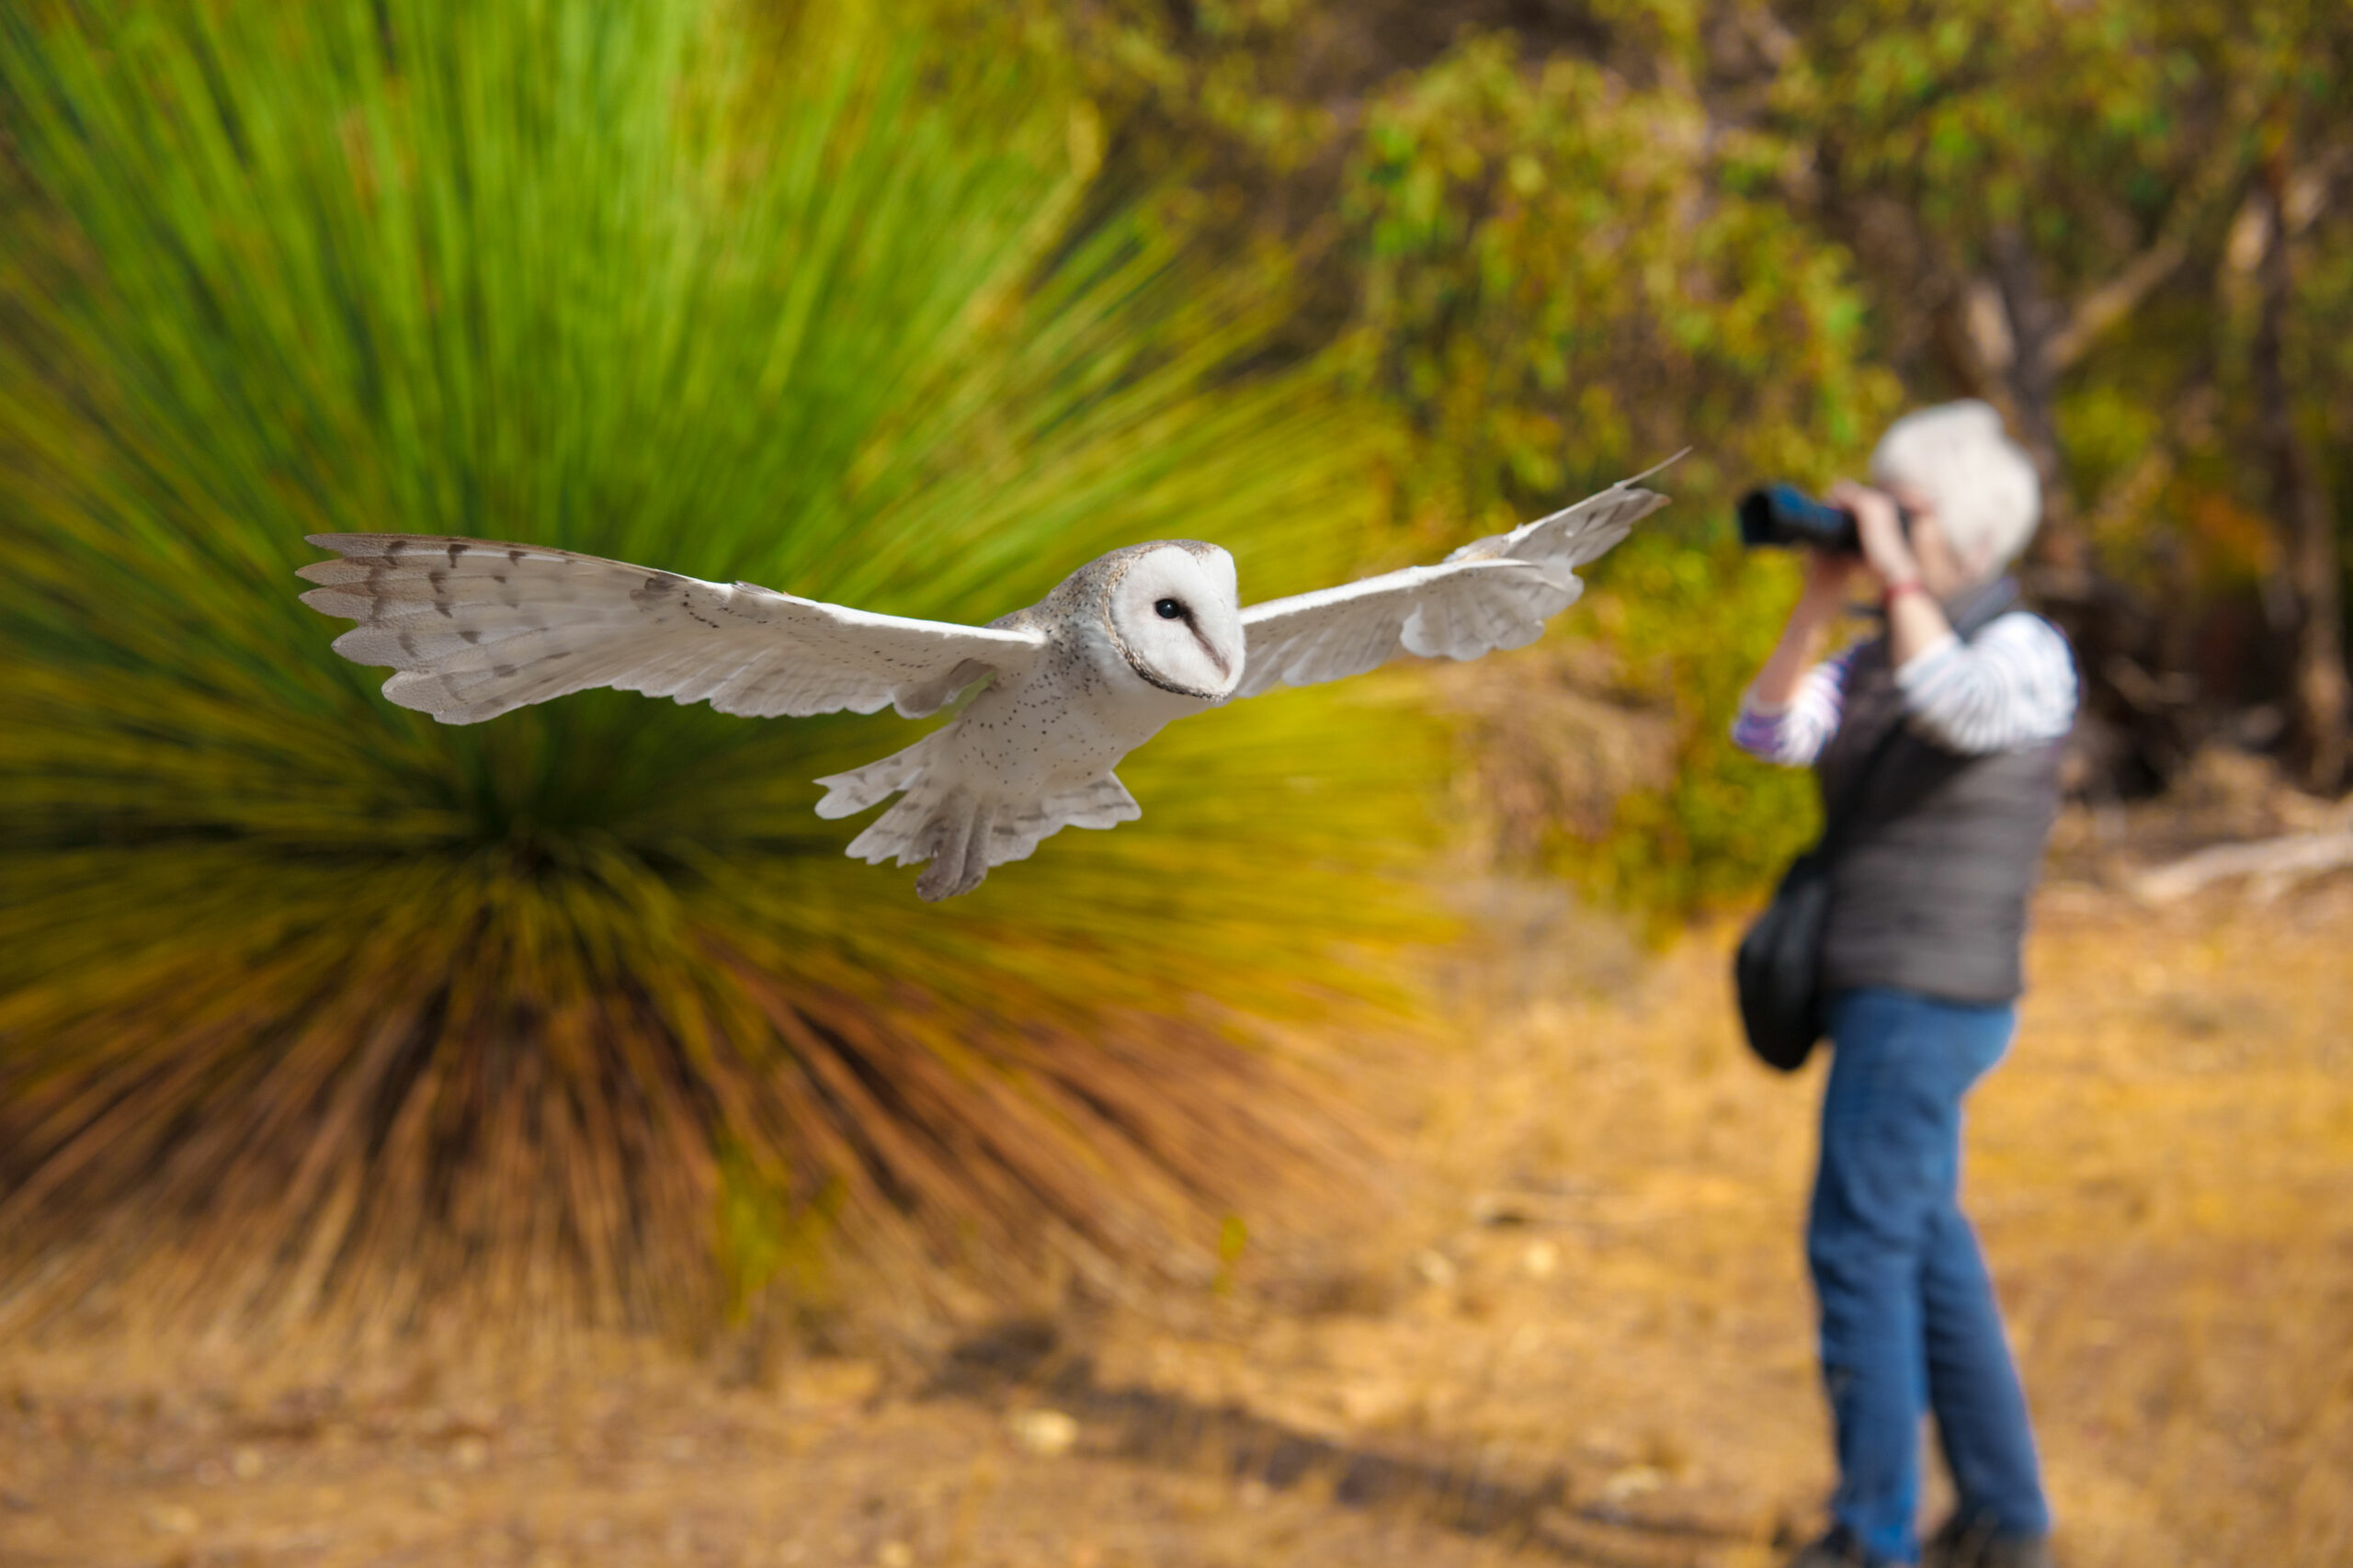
<point>1982,483</point>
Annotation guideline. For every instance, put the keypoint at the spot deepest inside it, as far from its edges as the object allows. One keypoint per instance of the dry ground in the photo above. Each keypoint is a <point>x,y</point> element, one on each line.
<point>1582,1338</point>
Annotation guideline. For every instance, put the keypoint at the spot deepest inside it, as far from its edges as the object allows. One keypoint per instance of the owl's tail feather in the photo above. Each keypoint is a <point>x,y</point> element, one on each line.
<point>847,794</point>
<point>962,833</point>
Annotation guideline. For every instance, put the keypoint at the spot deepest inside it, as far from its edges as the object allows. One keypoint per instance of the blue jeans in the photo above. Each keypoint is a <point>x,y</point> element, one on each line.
<point>1909,1323</point>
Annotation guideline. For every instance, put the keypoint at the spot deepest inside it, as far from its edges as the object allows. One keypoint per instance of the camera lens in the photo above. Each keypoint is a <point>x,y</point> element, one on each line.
<point>1782,515</point>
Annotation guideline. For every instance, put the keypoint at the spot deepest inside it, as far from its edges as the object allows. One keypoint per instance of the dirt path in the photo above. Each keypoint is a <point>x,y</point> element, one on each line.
<point>1584,1338</point>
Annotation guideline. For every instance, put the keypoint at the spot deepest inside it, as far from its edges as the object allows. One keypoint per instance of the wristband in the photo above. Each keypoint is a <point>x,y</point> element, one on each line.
<point>1907,585</point>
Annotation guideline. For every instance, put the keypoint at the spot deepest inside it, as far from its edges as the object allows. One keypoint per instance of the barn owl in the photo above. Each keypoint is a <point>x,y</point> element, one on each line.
<point>1065,688</point>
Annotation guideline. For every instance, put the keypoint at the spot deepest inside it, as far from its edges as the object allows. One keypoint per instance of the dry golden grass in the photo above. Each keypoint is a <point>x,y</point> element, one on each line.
<point>1576,1330</point>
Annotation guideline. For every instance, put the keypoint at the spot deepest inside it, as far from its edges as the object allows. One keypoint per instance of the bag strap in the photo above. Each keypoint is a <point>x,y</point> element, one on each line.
<point>1837,814</point>
<point>1968,616</point>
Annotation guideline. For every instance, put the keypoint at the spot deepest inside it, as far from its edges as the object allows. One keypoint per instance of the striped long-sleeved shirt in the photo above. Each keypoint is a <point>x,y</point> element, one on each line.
<point>2011,686</point>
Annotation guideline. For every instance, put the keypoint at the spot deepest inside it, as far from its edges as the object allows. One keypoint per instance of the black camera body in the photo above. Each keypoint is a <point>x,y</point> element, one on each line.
<point>1782,515</point>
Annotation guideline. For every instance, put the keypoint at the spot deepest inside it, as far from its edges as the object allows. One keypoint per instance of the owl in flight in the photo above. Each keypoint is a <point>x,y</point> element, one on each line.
<point>1068,687</point>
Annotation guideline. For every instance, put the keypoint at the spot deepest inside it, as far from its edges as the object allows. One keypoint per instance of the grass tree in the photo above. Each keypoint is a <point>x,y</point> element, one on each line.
<point>310,1006</point>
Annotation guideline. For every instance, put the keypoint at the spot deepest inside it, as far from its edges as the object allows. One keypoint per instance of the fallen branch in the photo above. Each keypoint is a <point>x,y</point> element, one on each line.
<point>2276,860</point>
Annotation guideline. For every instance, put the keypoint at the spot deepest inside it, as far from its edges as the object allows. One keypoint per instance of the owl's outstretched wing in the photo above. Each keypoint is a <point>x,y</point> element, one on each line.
<point>477,627</point>
<point>1493,593</point>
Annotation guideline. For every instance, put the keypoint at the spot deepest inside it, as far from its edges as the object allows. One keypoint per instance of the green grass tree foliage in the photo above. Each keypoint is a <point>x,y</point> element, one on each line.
<point>310,1006</point>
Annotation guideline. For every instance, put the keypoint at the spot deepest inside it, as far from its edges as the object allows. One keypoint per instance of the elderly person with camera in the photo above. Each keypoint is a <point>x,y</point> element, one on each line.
<point>1936,743</point>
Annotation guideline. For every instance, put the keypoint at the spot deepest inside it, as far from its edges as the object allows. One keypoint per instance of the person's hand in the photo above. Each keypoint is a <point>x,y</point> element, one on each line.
<point>1885,549</point>
<point>1829,579</point>
<point>1823,602</point>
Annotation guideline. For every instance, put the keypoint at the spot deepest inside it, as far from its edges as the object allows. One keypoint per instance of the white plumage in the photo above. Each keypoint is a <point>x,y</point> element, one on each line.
<point>1068,687</point>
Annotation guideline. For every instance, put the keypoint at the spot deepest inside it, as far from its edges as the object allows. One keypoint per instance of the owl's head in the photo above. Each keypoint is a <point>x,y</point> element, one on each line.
<point>1176,614</point>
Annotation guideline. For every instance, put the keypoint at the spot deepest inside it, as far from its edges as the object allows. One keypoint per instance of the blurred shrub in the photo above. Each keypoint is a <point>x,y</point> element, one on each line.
<point>309,1005</point>
<point>1564,241</point>
<point>1560,256</point>
<point>1563,282</point>
<point>1687,624</point>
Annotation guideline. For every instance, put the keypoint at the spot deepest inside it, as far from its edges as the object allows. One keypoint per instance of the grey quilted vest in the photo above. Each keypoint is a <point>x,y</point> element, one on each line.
<point>1930,893</point>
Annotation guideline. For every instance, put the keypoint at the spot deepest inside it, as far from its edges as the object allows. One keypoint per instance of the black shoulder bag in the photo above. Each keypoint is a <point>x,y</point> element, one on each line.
<point>1777,969</point>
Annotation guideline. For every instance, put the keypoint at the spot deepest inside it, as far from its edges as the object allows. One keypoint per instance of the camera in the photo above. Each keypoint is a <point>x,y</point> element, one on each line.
<point>1784,515</point>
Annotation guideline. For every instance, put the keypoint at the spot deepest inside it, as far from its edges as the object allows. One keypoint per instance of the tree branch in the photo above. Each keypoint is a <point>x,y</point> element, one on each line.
<point>2113,300</point>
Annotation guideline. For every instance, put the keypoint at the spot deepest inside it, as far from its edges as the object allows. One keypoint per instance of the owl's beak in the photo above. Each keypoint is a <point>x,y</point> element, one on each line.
<point>1226,644</point>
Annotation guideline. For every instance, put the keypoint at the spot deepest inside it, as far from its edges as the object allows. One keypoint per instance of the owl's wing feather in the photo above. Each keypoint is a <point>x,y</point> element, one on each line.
<point>1493,593</point>
<point>475,628</point>
<point>1573,536</point>
<point>1451,611</point>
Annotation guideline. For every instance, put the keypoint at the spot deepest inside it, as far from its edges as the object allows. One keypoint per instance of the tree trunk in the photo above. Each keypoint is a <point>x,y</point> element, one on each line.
<point>2301,513</point>
<point>2035,322</point>
<point>2006,340</point>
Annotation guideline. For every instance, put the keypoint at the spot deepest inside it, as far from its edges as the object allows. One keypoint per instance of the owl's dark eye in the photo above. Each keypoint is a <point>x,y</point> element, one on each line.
<point>1169,609</point>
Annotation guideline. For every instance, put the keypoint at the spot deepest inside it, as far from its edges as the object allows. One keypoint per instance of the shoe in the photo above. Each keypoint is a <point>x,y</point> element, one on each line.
<point>1968,1543</point>
<point>1837,1550</point>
